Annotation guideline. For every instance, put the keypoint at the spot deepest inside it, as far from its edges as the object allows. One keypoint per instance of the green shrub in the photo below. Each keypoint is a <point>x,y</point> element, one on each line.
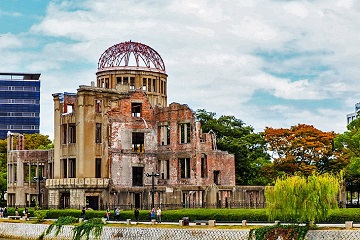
<point>40,215</point>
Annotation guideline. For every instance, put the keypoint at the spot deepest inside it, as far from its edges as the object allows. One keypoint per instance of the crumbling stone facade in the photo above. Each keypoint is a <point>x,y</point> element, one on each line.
<point>23,167</point>
<point>118,143</point>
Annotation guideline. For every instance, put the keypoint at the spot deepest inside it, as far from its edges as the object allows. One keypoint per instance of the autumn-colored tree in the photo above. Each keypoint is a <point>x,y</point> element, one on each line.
<point>235,137</point>
<point>303,149</point>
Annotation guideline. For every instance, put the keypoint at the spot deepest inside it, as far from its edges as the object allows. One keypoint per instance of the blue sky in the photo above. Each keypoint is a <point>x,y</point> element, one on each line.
<point>268,63</point>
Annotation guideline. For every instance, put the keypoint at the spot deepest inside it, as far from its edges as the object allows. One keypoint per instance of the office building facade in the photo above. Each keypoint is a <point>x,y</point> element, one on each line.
<point>19,103</point>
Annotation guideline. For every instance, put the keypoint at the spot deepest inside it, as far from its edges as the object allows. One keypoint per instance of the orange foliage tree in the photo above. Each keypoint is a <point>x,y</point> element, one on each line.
<point>304,150</point>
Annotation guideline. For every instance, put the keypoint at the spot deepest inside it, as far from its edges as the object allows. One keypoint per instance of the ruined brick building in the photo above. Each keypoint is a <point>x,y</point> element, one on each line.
<point>110,136</point>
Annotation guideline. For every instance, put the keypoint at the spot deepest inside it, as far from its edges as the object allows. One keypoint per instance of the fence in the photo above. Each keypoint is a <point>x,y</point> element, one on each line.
<point>164,206</point>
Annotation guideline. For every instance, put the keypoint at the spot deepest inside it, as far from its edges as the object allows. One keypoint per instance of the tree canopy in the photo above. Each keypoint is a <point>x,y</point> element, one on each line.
<point>235,137</point>
<point>303,149</point>
<point>349,142</point>
<point>302,199</point>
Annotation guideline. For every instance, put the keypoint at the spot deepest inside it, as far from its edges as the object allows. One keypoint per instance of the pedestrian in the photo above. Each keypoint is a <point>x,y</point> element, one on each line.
<point>5,212</point>
<point>158,214</point>
<point>152,214</point>
<point>83,213</point>
<point>136,213</point>
<point>1,212</point>
<point>107,214</point>
<point>26,213</point>
<point>117,214</point>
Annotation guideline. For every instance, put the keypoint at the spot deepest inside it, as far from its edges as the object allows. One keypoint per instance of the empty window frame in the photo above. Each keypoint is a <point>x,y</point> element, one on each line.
<point>107,83</point>
<point>204,169</point>
<point>184,132</point>
<point>132,83</point>
<point>217,177</point>
<point>137,176</point>
<point>136,109</point>
<point>154,85</point>
<point>98,104</point>
<point>144,84</point>
<point>72,133</point>
<point>98,133</point>
<point>149,85</point>
<point>98,168</point>
<point>164,168</point>
<point>125,80</point>
<point>138,142</point>
<point>164,135</point>
<point>64,168</point>
<point>184,166</point>
<point>72,168</point>
<point>118,80</point>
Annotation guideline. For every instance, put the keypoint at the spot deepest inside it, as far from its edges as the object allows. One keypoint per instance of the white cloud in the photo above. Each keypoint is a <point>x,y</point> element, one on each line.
<point>215,53</point>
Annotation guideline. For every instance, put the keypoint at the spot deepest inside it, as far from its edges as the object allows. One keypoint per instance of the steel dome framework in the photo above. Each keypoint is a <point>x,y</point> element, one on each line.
<point>119,55</point>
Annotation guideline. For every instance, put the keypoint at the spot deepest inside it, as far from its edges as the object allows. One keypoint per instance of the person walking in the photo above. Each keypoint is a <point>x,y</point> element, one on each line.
<point>5,212</point>
<point>117,214</point>
<point>107,214</point>
<point>26,213</point>
<point>136,213</point>
<point>83,213</point>
<point>158,215</point>
<point>152,214</point>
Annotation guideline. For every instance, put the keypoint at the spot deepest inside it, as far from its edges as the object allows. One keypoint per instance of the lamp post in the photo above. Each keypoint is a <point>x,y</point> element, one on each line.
<point>152,175</point>
<point>38,180</point>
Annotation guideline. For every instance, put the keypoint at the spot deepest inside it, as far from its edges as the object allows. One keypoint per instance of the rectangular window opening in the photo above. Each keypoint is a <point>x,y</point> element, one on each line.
<point>144,84</point>
<point>132,83</point>
<point>136,109</point>
<point>184,132</point>
<point>98,133</point>
<point>137,176</point>
<point>217,177</point>
<point>164,135</point>
<point>98,104</point>
<point>138,142</point>
<point>164,169</point>
<point>203,166</point>
<point>184,167</point>
<point>98,168</point>
<point>72,168</point>
<point>72,133</point>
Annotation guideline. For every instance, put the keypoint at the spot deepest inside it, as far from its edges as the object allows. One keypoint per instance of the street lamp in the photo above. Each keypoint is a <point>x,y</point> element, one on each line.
<point>152,175</point>
<point>39,180</point>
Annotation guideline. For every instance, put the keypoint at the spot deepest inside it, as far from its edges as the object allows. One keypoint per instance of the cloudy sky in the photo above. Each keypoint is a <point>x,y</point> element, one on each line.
<point>269,63</point>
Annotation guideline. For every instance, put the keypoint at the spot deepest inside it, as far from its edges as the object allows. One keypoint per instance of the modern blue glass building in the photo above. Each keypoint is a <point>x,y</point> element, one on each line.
<point>19,103</point>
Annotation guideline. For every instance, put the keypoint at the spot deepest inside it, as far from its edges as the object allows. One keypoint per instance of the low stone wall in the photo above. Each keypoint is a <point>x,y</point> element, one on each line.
<point>32,231</point>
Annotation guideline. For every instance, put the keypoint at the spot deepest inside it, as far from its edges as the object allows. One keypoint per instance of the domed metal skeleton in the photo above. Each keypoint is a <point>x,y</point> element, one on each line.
<point>119,55</point>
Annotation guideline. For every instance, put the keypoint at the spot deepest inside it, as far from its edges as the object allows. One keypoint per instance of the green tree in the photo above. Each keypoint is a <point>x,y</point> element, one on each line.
<point>37,141</point>
<point>349,142</point>
<point>234,136</point>
<point>302,199</point>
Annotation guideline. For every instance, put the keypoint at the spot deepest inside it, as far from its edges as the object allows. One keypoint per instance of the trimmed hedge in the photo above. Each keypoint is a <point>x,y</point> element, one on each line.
<point>220,215</point>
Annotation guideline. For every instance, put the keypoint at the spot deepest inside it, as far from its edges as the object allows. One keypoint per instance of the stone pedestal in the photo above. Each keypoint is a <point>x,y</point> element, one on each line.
<point>244,223</point>
<point>212,223</point>
<point>348,224</point>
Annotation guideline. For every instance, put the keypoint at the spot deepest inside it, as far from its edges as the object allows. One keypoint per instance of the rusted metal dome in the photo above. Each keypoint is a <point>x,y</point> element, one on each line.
<point>119,56</point>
